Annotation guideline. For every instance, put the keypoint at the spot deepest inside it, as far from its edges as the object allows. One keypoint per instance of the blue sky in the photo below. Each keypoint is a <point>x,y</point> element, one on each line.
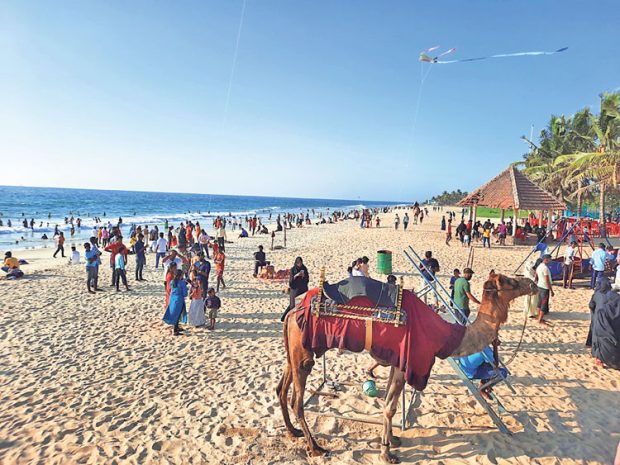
<point>132,95</point>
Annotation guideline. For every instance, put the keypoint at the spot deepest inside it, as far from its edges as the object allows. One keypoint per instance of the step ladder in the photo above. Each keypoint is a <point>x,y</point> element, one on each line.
<point>446,304</point>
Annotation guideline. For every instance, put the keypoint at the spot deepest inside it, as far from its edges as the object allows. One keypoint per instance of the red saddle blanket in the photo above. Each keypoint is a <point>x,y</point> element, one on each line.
<point>411,347</point>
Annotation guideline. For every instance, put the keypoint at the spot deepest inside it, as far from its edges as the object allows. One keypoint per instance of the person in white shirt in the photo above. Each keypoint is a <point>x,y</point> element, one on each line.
<point>161,247</point>
<point>545,288</point>
<point>75,256</point>
<point>220,235</point>
<point>203,240</point>
<point>568,266</point>
<point>173,257</point>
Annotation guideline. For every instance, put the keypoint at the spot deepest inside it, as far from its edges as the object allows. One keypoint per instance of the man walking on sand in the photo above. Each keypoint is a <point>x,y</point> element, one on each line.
<point>462,292</point>
<point>545,288</point>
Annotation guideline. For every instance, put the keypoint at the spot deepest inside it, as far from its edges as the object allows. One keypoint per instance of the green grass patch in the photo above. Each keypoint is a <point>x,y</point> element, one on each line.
<point>484,212</point>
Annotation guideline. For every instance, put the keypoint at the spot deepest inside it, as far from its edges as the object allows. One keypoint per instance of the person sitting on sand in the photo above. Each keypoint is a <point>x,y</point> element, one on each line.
<point>243,233</point>
<point>75,256</point>
<point>11,267</point>
<point>213,305</point>
<point>260,260</point>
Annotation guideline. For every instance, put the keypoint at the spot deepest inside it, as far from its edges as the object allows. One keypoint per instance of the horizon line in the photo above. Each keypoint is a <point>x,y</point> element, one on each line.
<point>199,193</point>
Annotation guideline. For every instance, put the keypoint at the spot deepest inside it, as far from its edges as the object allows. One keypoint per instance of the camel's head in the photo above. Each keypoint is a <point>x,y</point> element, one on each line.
<point>500,290</point>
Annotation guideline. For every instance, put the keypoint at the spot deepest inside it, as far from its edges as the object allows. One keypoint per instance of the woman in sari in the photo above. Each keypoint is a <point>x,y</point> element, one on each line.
<point>176,304</point>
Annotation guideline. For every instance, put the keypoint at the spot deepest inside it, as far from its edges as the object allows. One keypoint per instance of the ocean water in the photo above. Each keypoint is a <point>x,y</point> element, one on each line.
<point>50,206</point>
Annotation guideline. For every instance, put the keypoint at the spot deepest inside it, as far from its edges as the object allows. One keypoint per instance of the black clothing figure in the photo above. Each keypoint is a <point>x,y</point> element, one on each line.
<point>298,283</point>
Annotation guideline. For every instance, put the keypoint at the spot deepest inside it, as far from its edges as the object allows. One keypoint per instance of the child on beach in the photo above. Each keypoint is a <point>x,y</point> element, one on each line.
<point>219,258</point>
<point>213,305</point>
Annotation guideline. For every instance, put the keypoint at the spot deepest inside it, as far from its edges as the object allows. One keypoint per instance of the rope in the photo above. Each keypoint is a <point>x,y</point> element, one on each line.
<point>516,351</point>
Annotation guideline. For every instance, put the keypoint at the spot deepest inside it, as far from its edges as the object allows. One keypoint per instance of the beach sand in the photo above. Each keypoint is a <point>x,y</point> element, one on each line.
<point>99,378</point>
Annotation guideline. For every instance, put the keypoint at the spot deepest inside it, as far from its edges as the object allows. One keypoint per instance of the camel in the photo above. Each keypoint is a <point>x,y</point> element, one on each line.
<point>498,291</point>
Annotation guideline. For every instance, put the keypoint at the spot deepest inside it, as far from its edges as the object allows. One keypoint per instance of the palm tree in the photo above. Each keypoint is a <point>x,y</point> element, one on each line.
<point>596,163</point>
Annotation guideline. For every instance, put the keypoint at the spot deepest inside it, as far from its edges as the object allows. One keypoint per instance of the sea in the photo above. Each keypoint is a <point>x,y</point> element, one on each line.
<point>51,206</point>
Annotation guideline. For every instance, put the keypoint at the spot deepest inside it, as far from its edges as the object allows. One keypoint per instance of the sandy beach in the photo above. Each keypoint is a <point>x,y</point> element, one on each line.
<point>99,378</point>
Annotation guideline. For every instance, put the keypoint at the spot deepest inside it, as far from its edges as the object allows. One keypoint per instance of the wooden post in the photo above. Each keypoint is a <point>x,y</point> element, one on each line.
<point>515,222</point>
<point>501,219</point>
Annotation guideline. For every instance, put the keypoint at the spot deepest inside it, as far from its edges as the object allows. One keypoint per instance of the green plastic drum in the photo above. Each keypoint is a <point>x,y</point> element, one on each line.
<point>384,261</point>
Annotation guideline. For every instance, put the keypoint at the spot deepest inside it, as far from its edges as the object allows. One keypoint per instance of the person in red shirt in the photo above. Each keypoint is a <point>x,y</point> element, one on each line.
<point>219,258</point>
<point>115,248</point>
<point>449,232</point>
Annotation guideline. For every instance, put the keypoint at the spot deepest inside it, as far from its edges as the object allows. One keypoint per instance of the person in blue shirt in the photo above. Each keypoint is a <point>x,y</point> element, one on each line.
<point>203,269</point>
<point>92,269</point>
<point>598,259</point>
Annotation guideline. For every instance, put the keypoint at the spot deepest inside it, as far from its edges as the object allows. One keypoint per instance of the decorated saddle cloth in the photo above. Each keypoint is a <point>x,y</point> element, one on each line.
<point>410,347</point>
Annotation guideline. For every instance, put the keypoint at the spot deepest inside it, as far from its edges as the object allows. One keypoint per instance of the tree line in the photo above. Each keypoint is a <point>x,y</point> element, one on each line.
<point>576,158</point>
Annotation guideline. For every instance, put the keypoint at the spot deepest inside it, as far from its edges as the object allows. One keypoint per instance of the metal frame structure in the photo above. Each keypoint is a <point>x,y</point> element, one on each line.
<point>374,314</point>
<point>459,317</point>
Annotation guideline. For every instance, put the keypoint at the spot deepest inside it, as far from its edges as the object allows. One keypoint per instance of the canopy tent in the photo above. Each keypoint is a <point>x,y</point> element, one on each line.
<point>511,189</point>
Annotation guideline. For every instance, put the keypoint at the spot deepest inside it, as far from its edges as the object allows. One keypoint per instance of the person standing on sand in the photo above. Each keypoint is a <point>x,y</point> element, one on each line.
<point>220,235</point>
<point>140,250</point>
<point>298,284</point>
<point>176,305</point>
<point>115,248</point>
<point>60,242</point>
<point>545,288</point>
<point>95,249</point>
<point>91,268</point>
<point>396,222</point>
<point>203,270</point>
<point>486,236</point>
<point>219,259</point>
<point>449,232</point>
<point>203,240</point>
<point>599,257</point>
<point>213,304</point>
<point>405,221</point>
<point>160,249</point>
<point>568,266</point>
<point>120,263</point>
<point>462,292</point>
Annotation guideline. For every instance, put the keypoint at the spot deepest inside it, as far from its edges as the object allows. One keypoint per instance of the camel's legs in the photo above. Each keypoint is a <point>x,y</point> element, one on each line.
<point>396,384</point>
<point>282,391</point>
<point>302,362</point>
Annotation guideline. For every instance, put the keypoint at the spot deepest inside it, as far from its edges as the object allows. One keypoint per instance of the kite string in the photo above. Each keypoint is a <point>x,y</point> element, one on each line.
<point>423,77</point>
<point>234,65</point>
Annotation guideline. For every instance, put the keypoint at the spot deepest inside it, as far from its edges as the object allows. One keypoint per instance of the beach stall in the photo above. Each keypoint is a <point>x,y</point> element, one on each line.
<point>512,192</point>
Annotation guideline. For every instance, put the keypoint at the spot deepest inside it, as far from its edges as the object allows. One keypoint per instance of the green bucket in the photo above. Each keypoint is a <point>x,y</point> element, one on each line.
<point>384,261</point>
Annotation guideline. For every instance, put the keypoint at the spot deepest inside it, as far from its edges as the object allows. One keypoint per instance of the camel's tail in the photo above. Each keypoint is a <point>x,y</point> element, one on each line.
<point>288,356</point>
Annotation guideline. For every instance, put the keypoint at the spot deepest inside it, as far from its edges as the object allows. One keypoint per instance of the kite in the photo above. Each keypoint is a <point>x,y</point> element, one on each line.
<point>424,56</point>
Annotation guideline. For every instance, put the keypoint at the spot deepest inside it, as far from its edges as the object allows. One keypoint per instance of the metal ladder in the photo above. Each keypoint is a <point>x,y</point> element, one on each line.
<point>447,303</point>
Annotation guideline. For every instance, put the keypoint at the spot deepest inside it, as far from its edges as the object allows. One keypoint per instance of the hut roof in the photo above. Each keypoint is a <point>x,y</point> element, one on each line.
<point>512,189</point>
